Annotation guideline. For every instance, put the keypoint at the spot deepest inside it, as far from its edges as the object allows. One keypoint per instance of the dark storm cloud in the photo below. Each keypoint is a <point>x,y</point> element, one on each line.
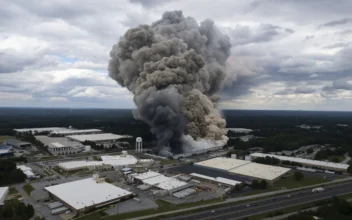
<point>151,3</point>
<point>335,23</point>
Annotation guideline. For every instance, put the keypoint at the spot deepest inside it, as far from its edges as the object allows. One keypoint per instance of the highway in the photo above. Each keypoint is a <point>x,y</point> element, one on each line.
<point>256,207</point>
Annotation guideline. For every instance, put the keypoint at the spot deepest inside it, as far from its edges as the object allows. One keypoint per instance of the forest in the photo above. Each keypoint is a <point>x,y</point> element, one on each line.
<point>277,130</point>
<point>339,209</point>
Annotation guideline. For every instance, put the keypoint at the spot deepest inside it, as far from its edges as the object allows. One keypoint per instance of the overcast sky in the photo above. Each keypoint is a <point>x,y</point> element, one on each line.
<point>290,55</point>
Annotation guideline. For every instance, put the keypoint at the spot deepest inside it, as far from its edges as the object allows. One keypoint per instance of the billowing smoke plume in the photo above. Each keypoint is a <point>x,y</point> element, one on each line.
<point>174,68</point>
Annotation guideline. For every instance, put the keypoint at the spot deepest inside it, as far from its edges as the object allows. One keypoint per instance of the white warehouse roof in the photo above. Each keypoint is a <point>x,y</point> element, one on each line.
<point>222,163</point>
<point>260,171</point>
<point>86,193</point>
<point>156,180</point>
<point>217,179</point>
<point>170,184</point>
<point>78,131</point>
<point>146,175</point>
<point>50,129</point>
<point>96,137</point>
<point>118,160</point>
<point>305,161</point>
<point>3,193</point>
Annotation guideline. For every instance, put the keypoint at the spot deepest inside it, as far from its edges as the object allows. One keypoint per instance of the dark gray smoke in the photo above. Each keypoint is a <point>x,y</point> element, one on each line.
<point>174,68</point>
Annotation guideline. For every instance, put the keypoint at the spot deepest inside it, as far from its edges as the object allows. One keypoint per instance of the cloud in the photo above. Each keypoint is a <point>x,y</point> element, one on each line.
<point>336,23</point>
<point>304,90</point>
<point>151,3</point>
<point>244,34</point>
<point>56,54</point>
<point>336,45</point>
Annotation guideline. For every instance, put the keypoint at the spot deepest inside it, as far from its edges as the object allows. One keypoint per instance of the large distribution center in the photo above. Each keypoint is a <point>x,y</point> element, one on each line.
<point>104,137</point>
<point>86,194</point>
<point>75,132</point>
<point>107,161</point>
<point>245,168</point>
<point>306,162</point>
<point>39,130</point>
<point>60,145</point>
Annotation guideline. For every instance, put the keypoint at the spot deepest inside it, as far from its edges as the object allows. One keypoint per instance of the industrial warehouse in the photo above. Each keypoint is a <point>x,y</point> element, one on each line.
<point>97,138</point>
<point>86,194</point>
<point>75,132</point>
<point>106,162</point>
<point>245,168</point>
<point>307,163</point>
<point>157,180</point>
<point>60,145</point>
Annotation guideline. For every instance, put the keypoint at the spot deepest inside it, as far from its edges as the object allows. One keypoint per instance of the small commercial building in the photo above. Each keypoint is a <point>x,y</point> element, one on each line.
<point>97,138</point>
<point>87,194</point>
<point>6,153</point>
<point>159,181</point>
<point>307,162</point>
<point>27,171</point>
<point>17,143</point>
<point>4,191</point>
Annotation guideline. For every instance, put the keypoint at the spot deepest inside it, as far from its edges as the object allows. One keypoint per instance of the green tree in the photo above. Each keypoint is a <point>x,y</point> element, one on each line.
<point>298,176</point>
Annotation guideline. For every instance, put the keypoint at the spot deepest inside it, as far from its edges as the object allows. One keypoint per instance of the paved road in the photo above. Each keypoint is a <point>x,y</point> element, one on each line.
<point>39,207</point>
<point>348,158</point>
<point>265,205</point>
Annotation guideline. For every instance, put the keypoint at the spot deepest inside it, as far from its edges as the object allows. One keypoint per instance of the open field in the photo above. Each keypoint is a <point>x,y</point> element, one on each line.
<point>28,188</point>
<point>2,138</point>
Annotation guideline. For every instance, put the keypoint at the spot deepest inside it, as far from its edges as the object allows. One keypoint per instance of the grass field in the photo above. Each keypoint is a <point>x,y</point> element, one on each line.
<point>2,138</point>
<point>163,207</point>
<point>12,191</point>
<point>28,188</point>
<point>290,183</point>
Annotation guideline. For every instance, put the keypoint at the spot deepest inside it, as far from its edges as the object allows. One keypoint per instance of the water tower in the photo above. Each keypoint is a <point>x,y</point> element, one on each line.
<point>139,148</point>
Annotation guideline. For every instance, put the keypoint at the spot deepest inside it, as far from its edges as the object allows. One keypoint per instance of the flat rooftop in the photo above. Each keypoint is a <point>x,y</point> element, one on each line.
<point>50,129</point>
<point>222,163</point>
<point>170,184</point>
<point>96,137</point>
<point>217,179</point>
<point>305,161</point>
<point>260,171</point>
<point>57,142</point>
<point>86,193</point>
<point>146,175</point>
<point>118,160</point>
<point>206,171</point>
<point>15,142</point>
<point>76,131</point>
